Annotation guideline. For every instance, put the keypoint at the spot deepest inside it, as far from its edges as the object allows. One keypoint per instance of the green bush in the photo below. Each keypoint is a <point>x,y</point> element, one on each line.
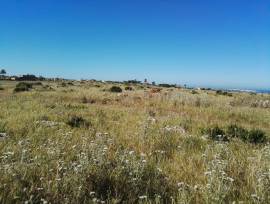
<point>215,133</point>
<point>23,86</point>
<point>194,92</point>
<point>237,132</point>
<point>63,84</point>
<point>115,89</point>
<point>224,93</point>
<point>167,85</point>
<point>256,136</point>
<point>253,136</point>
<point>128,88</point>
<point>78,121</point>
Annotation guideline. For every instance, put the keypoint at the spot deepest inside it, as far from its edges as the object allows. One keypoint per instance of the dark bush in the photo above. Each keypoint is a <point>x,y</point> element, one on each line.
<point>47,87</point>
<point>215,133</point>
<point>23,86</point>
<point>132,82</point>
<point>63,84</point>
<point>237,132</point>
<point>29,77</point>
<point>1,88</point>
<point>194,92</point>
<point>256,136</point>
<point>167,85</point>
<point>224,93</point>
<point>115,89</point>
<point>77,121</point>
<point>128,88</point>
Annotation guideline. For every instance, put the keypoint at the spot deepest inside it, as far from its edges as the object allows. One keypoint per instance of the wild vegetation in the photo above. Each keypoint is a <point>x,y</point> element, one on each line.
<point>101,142</point>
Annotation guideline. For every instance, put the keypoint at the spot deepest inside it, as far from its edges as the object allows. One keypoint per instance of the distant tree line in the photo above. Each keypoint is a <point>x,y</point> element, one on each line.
<point>26,77</point>
<point>167,85</point>
<point>30,77</point>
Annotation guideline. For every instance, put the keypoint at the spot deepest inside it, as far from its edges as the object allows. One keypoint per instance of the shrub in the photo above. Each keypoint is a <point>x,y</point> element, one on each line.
<point>115,89</point>
<point>23,86</point>
<point>253,136</point>
<point>128,88</point>
<point>194,92</point>
<point>1,88</point>
<point>237,132</point>
<point>77,121</point>
<point>256,136</point>
<point>219,92</point>
<point>47,87</point>
<point>167,85</point>
<point>215,133</point>
<point>224,93</point>
<point>20,89</point>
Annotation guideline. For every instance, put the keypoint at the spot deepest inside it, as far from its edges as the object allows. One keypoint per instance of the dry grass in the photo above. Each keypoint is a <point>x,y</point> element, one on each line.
<point>138,146</point>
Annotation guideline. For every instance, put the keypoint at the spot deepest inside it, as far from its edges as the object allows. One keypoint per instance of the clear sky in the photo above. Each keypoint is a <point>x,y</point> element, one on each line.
<point>197,42</point>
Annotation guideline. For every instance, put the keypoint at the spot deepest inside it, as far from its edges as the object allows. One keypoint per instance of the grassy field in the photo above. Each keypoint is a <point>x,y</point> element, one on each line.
<point>78,142</point>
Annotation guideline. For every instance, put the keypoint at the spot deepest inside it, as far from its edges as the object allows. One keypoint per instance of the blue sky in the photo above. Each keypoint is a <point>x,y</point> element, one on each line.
<point>224,43</point>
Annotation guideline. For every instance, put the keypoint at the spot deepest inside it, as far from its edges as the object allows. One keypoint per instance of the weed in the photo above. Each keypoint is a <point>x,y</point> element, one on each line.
<point>115,89</point>
<point>23,86</point>
<point>128,88</point>
<point>256,136</point>
<point>78,121</point>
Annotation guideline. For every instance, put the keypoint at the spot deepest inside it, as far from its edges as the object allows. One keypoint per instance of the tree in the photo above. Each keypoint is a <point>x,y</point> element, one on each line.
<point>3,72</point>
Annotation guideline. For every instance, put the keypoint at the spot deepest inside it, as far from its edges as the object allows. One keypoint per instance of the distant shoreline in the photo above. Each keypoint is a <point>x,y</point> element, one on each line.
<point>250,90</point>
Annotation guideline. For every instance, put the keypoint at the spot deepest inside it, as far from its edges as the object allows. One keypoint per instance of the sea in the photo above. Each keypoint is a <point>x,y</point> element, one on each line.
<point>264,91</point>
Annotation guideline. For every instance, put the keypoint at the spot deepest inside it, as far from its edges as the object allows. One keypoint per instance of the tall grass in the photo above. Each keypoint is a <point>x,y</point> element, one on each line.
<point>138,147</point>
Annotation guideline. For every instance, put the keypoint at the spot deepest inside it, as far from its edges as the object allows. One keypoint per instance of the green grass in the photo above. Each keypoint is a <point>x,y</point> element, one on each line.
<point>81,143</point>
